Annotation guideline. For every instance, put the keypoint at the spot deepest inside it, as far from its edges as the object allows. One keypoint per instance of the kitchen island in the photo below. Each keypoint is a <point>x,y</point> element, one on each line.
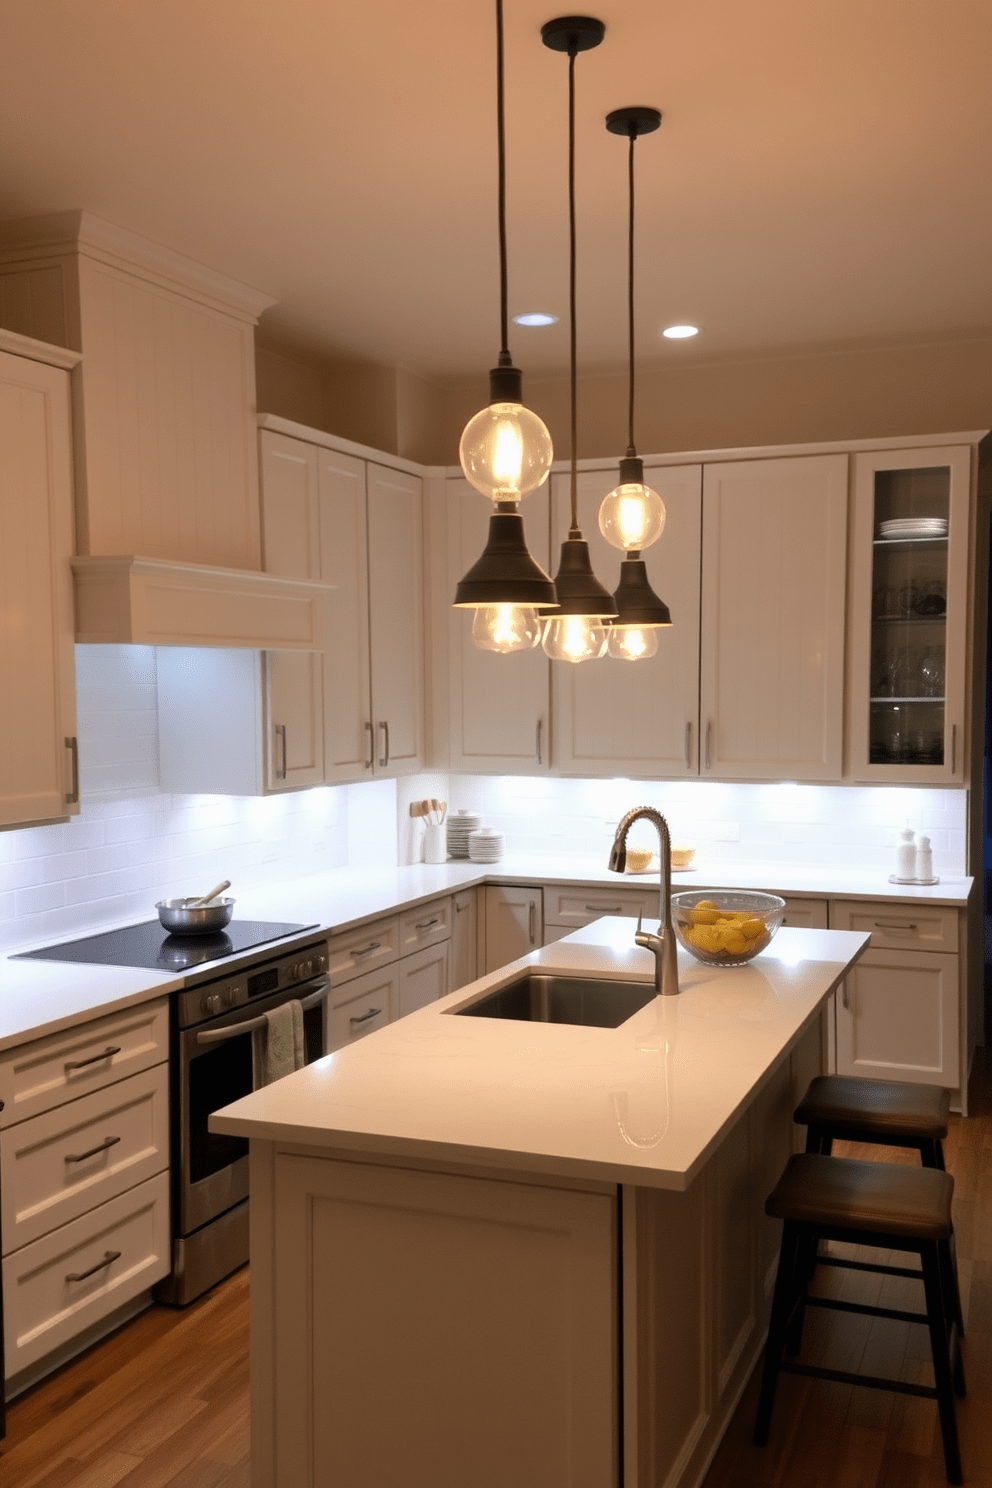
<point>488,1251</point>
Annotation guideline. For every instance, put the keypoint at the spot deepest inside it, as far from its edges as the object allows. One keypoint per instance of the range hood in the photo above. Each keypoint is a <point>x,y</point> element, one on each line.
<point>155,602</point>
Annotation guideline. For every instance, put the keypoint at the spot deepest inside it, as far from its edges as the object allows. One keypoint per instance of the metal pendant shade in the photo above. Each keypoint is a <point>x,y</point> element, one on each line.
<point>637,603</point>
<point>578,589</point>
<point>506,573</point>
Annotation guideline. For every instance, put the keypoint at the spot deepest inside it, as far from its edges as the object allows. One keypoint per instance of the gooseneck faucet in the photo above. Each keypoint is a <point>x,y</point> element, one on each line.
<point>666,961</point>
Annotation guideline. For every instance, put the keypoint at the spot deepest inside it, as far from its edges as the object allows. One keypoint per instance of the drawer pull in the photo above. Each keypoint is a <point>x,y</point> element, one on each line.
<point>82,1156</point>
<point>373,945</point>
<point>364,1017</point>
<point>428,924</point>
<point>109,1258</point>
<point>846,998</point>
<point>605,908</point>
<point>894,925</point>
<point>108,1053</point>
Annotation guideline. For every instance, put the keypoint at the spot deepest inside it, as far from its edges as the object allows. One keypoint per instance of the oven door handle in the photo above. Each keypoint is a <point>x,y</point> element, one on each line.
<point>249,1025</point>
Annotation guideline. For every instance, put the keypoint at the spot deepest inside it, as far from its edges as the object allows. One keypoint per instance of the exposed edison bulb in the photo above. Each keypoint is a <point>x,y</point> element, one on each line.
<point>632,642</point>
<point>505,628</point>
<point>575,638</point>
<point>505,451</point>
<point>632,517</point>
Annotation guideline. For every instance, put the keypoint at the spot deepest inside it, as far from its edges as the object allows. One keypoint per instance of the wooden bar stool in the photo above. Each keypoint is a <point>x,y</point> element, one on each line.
<point>893,1113</point>
<point>875,1204</point>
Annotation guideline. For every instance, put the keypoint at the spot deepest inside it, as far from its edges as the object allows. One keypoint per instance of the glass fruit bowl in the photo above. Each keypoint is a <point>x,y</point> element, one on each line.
<point>726,927</point>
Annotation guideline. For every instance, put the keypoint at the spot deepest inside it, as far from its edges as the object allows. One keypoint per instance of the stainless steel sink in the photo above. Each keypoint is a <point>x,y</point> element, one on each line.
<point>560,999</point>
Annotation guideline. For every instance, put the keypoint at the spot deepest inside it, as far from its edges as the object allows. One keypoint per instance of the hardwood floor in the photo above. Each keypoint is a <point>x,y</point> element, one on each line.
<point>165,1400</point>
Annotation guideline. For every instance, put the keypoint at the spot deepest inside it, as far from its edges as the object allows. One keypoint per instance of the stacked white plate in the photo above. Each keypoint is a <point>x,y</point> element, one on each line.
<point>486,845</point>
<point>459,827</point>
<point>913,527</point>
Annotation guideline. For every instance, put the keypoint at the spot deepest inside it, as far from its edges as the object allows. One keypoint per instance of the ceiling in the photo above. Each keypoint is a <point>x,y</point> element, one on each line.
<point>821,177</point>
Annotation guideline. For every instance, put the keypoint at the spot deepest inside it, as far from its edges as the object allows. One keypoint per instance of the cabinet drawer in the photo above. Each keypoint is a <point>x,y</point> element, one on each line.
<point>356,951</point>
<point>806,914</point>
<point>368,1003</point>
<point>425,925</point>
<point>574,907</point>
<point>899,926</point>
<point>48,1297</point>
<point>37,1076</point>
<point>65,1161</point>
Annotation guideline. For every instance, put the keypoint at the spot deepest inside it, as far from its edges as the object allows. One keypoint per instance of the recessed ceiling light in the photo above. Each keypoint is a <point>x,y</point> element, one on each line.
<point>680,332</point>
<point>535,318</point>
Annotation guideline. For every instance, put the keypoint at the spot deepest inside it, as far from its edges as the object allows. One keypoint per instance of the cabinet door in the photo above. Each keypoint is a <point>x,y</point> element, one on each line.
<point>897,1017</point>
<point>396,564</point>
<point>806,914</point>
<point>500,705</point>
<point>464,938</point>
<point>364,1004</point>
<point>423,977</point>
<point>772,634</point>
<point>909,615</point>
<point>291,548</point>
<point>514,923</point>
<point>348,741</point>
<point>38,765</point>
<point>635,718</point>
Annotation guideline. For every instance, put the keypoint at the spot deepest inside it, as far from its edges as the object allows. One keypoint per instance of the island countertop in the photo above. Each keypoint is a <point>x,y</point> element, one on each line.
<point>645,1103</point>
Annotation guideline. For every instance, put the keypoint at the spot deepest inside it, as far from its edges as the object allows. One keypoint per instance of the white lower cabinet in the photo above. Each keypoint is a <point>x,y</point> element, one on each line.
<point>567,908</point>
<point>464,938</point>
<point>384,969</point>
<point>85,1179</point>
<point>806,914</point>
<point>514,923</point>
<point>897,1012</point>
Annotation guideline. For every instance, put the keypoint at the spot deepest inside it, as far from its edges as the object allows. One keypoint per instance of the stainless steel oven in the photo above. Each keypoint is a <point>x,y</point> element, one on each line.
<point>212,1065</point>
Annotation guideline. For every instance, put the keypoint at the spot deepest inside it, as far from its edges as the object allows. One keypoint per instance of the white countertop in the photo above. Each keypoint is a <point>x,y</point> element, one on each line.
<point>643,1103</point>
<point>39,997</point>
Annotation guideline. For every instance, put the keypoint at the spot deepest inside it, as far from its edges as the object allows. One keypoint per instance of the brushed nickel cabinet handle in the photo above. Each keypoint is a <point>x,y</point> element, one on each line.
<point>74,1157</point>
<point>532,920</point>
<point>895,925</point>
<point>373,945</point>
<point>384,758</point>
<point>605,908</point>
<point>846,997</point>
<point>688,745</point>
<point>109,1258</point>
<point>709,737</point>
<point>279,732</point>
<point>371,733</point>
<point>537,741</point>
<point>954,747</point>
<point>428,924</point>
<point>108,1053</point>
<point>364,1017</point>
<point>72,796</point>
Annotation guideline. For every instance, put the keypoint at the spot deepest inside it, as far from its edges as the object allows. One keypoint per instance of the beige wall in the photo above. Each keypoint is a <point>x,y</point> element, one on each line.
<point>878,392</point>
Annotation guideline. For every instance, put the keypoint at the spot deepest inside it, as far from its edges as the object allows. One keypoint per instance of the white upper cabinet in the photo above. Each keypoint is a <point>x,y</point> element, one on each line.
<point>39,778</point>
<point>909,615</point>
<point>638,719</point>
<point>164,427</point>
<point>499,706</point>
<point>349,733</point>
<point>396,610</point>
<point>772,632</point>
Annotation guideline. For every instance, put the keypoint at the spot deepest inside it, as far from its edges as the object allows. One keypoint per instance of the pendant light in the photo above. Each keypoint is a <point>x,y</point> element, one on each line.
<point>632,516</point>
<point>506,453</point>
<point>575,632</point>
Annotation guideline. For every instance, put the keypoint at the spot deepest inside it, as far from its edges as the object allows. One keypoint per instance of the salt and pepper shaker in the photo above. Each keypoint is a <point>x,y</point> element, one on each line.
<point>906,857</point>
<point>923,868</point>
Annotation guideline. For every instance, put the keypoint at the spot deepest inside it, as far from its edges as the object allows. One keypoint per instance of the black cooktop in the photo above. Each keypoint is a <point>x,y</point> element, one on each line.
<point>149,947</point>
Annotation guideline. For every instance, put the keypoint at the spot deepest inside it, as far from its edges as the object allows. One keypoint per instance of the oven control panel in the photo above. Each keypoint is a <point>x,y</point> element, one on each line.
<point>236,989</point>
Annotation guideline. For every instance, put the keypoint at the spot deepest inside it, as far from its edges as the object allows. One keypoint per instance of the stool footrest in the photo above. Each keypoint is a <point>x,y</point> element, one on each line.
<point>835,1305</point>
<point>914,1273</point>
<point>844,1377</point>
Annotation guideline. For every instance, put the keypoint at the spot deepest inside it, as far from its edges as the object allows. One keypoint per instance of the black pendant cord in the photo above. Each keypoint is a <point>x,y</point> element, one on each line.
<point>574,530</point>
<point>504,320</point>
<point>631,451</point>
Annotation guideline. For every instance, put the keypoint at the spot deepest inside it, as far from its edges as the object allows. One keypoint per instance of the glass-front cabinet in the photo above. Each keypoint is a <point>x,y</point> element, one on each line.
<point>909,600</point>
